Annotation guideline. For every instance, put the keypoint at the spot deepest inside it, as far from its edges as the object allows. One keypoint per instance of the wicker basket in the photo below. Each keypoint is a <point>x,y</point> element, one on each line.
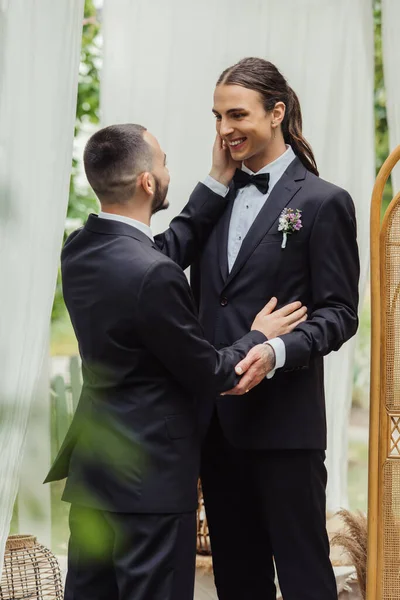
<point>30,571</point>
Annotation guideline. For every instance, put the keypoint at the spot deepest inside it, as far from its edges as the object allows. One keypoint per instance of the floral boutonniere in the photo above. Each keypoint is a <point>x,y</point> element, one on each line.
<point>289,222</point>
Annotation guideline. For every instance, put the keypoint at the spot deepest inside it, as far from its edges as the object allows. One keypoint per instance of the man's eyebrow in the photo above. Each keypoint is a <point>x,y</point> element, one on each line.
<point>231,110</point>
<point>165,159</point>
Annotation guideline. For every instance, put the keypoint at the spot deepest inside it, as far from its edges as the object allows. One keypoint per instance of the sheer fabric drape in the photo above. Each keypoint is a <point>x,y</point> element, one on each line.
<point>39,61</point>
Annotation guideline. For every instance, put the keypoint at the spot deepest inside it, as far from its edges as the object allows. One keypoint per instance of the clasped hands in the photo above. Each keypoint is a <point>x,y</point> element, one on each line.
<point>260,360</point>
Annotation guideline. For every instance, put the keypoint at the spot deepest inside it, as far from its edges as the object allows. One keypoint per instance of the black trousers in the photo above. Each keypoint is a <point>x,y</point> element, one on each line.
<point>266,505</point>
<point>116,556</point>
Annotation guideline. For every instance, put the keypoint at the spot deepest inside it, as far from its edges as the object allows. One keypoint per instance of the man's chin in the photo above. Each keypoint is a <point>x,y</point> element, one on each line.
<point>163,206</point>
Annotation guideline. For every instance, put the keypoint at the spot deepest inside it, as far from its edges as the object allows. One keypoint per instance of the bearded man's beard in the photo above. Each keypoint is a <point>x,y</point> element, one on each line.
<point>159,199</point>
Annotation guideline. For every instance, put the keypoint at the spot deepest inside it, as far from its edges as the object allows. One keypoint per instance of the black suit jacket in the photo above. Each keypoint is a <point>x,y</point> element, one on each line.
<point>133,445</point>
<point>320,267</point>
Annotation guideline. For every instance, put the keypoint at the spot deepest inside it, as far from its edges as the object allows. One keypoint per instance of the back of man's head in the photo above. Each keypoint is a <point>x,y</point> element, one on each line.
<point>113,159</point>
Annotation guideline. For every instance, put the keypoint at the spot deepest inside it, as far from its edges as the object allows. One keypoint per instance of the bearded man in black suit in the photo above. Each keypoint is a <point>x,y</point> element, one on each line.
<point>131,456</point>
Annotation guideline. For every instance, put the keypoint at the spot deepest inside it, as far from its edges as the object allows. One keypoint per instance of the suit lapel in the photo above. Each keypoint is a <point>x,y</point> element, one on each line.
<point>223,232</point>
<point>281,195</point>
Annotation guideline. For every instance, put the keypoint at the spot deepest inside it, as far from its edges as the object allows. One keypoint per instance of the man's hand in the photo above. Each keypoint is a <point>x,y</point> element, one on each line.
<point>223,166</point>
<point>254,367</point>
<point>261,359</point>
<point>273,323</point>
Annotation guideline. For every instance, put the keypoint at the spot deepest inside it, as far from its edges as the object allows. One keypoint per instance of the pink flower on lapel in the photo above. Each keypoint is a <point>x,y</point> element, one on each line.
<point>289,222</point>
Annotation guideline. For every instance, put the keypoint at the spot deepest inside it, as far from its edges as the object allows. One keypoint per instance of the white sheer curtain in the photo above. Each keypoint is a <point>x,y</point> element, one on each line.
<point>34,498</point>
<point>339,117</point>
<point>391,68</point>
<point>161,62</point>
<point>39,61</point>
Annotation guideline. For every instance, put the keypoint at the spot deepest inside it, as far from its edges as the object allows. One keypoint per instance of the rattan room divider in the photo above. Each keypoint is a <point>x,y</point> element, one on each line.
<point>383,564</point>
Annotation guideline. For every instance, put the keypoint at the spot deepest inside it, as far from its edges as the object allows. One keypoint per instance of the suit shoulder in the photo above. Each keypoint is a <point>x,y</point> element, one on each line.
<point>141,263</point>
<point>163,279</point>
<point>69,242</point>
<point>72,236</point>
<point>162,267</point>
<point>325,192</point>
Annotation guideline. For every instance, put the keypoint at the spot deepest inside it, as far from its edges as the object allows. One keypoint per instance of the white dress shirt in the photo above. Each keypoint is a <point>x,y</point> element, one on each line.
<point>138,224</point>
<point>248,203</point>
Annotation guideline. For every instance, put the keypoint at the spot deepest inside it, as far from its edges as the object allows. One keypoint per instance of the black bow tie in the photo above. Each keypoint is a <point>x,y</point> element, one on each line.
<point>241,179</point>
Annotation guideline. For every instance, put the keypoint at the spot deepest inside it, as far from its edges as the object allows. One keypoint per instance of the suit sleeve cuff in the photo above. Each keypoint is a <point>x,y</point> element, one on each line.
<point>216,186</point>
<point>279,348</point>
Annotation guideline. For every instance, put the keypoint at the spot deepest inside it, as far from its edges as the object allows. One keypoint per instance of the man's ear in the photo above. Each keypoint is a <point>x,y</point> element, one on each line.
<point>278,113</point>
<point>146,182</point>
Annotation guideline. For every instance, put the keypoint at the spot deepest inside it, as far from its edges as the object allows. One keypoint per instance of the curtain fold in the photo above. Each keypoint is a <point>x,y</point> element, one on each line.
<point>39,62</point>
<point>161,62</point>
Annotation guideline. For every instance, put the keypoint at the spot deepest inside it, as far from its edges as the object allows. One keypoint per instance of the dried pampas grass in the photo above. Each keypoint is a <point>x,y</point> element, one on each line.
<point>354,539</point>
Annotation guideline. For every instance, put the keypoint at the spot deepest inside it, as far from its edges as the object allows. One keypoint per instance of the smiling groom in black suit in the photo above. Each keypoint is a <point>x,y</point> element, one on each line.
<point>286,233</point>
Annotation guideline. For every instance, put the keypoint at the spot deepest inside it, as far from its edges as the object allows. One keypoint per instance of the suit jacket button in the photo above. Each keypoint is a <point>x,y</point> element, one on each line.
<point>224,301</point>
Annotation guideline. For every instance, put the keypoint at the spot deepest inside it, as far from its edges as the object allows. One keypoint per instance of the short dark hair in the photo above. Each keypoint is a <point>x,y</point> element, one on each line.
<point>113,159</point>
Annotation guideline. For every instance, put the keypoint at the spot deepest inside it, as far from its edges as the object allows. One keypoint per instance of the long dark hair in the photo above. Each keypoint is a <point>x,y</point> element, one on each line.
<point>263,77</point>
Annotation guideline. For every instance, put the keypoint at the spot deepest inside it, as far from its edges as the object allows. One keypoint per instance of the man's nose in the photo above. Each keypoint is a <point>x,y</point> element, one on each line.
<point>225,128</point>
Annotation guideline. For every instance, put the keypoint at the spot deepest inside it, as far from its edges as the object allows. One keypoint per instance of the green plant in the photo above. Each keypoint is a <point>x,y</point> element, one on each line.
<point>82,201</point>
<point>64,396</point>
<point>64,400</point>
<point>381,125</point>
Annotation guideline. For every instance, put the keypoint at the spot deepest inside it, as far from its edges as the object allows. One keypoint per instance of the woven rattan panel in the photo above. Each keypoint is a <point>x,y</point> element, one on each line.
<point>391,531</point>
<point>394,446</point>
<point>391,306</point>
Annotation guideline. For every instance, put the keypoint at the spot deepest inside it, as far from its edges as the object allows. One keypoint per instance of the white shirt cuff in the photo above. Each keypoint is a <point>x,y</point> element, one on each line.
<point>278,346</point>
<point>216,186</point>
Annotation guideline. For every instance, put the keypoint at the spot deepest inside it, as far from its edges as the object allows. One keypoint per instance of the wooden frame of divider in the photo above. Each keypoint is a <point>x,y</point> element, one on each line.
<point>379,432</point>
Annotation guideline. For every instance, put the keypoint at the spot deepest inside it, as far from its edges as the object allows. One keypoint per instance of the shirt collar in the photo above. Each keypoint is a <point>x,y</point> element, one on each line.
<point>132,222</point>
<point>277,168</point>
